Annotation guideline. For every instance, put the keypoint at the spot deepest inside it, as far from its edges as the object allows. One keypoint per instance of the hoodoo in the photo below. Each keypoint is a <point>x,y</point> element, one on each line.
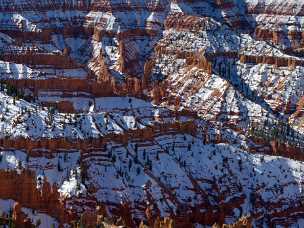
<point>151,113</point>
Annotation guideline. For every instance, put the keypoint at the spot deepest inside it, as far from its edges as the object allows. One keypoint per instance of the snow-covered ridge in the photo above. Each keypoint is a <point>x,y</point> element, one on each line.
<point>201,71</point>
<point>107,116</point>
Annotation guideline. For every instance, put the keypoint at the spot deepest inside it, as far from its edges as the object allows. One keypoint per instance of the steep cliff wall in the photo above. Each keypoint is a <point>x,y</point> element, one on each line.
<point>151,113</point>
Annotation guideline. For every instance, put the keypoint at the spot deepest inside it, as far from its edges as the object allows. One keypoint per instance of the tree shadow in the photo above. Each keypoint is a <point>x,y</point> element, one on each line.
<point>227,69</point>
<point>231,13</point>
<point>235,21</point>
<point>138,26</point>
<point>270,183</point>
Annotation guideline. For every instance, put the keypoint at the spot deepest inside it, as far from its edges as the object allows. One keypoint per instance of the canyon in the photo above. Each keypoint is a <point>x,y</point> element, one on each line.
<point>156,113</point>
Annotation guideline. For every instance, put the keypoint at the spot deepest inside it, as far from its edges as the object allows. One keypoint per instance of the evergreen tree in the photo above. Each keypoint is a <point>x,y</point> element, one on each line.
<point>113,158</point>
<point>10,219</point>
<point>138,170</point>
<point>65,156</point>
<point>59,168</point>
<point>189,147</point>
<point>38,223</point>
<point>136,159</point>
<point>144,154</point>
<point>130,164</point>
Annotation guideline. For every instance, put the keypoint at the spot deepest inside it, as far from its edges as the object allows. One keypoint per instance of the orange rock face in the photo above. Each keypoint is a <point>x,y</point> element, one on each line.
<point>27,195</point>
<point>172,88</point>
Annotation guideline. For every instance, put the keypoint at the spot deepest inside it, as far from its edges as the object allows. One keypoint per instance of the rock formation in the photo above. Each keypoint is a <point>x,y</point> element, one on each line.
<point>167,113</point>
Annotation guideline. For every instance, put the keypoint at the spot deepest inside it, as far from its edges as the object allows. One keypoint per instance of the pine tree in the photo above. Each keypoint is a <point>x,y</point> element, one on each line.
<point>138,170</point>
<point>38,223</point>
<point>189,147</point>
<point>10,219</point>
<point>144,154</point>
<point>136,159</point>
<point>113,158</point>
<point>65,157</point>
<point>59,166</point>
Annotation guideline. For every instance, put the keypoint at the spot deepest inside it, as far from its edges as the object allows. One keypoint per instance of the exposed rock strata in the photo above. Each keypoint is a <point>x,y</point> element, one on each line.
<point>84,151</point>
